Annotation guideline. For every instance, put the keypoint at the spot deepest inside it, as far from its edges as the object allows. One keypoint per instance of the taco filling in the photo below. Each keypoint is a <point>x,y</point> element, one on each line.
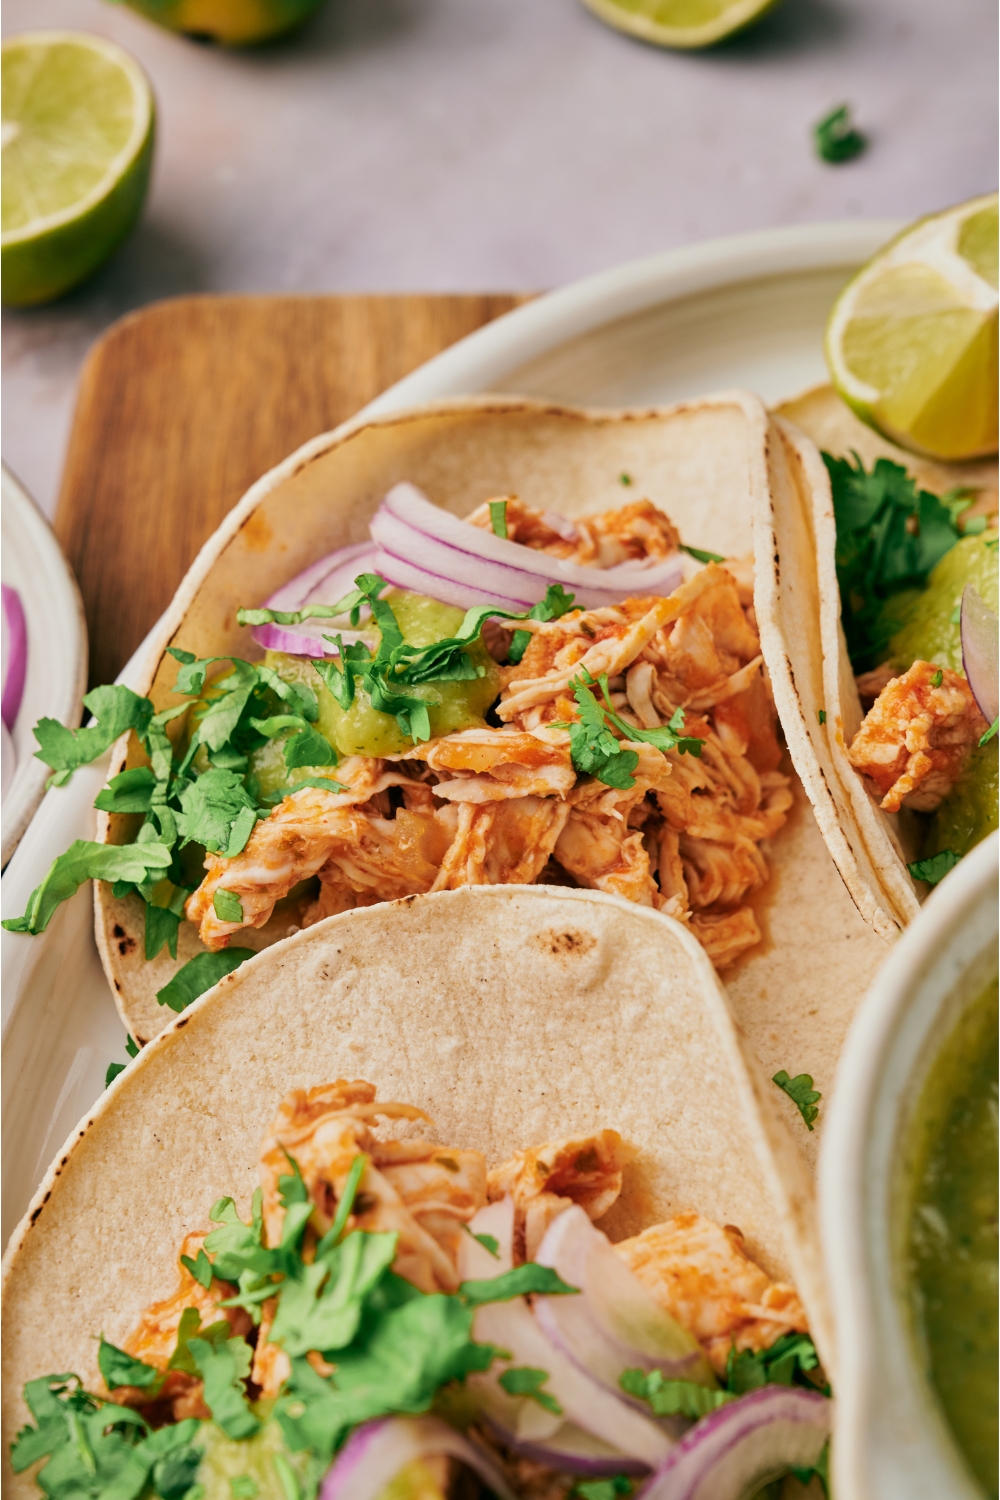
<point>919,597</point>
<point>391,743</point>
<point>396,1320</point>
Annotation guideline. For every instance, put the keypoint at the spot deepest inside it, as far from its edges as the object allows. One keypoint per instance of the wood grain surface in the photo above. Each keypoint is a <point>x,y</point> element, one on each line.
<point>184,404</point>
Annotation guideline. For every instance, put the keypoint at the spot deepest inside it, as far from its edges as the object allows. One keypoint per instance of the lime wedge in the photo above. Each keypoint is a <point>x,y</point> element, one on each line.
<point>680,23</point>
<point>912,339</point>
<point>234,23</point>
<point>77,147</point>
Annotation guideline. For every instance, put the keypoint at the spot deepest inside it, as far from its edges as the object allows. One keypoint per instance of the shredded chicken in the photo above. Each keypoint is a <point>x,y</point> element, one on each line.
<point>496,805</point>
<point>426,1193</point>
<point>915,740</point>
<point>543,1181</point>
<point>702,1275</point>
<point>629,533</point>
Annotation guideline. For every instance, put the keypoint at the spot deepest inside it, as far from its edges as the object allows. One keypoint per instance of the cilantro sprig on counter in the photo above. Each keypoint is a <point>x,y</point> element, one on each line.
<point>393,1348</point>
<point>890,535</point>
<point>595,751</point>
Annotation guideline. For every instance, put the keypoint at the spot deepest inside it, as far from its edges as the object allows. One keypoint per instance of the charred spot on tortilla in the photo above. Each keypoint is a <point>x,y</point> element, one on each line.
<point>570,943</point>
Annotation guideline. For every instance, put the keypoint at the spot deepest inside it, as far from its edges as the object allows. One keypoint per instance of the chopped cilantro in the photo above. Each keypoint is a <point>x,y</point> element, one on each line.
<point>821,715</point>
<point>243,1487</point>
<point>522,1380</point>
<point>596,751</point>
<point>672,1398</point>
<point>985,738</point>
<point>115,709</point>
<point>625,479</point>
<point>119,1368</point>
<point>836,138</point>
<point>228,906</point>
<point>936,867</point>
<point>937,678</point>
<point>489,1242</point>
<point>163,918</point>
<point>498,518</point>
<point>786,1362</point>
<point>200,974</point>
<point>87,861</point>
<point>519,1282</point>
<point>223,1366</point>
<point>802,1094</point>
<point>555,604</point>
<point>889,537</point>
<point>701,556</point>
<point>821,1470</point>
<point>115,1068</point>
<point>190,1328</point>
<point>200,1268</point>
<point>604,1489</point>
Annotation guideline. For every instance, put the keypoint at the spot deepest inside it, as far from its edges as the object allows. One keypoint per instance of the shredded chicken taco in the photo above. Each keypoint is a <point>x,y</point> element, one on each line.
<point>520,663</point>
<point>353,1233</point>
<point>883,596</point>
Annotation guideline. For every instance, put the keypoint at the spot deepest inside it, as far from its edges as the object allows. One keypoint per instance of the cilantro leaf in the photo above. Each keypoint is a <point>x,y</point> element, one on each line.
<point>836,137</point>
<point>700,556</point>
<point>489,1242</point>
<point>802,1094</point>
<point>214,812</point>
<point>115,709</point>
<point>189,1328</point>
<point>324,783</point>
<point>784,1363</point>
<point>119,1368</point>
<point>516,1283</point>
<point>200,1268</point>
<point>129,792</point>
<point>595,750</point>
<point>604,1489</point>
<point>163,921</point>
<point>228,906</point>
<point>934,868</point>
<point>223,1367</point>
<point>672,1398</point>
<point>310,748</point>
<point>200,974</point>
<point>498,518</point>
<point>522,1380</point>
<point>86,861</point>
<point>322,1309</point>
<point>985,738</point>
<point>555,604</point>
<point>890,535</point>
<point>115,1068</point>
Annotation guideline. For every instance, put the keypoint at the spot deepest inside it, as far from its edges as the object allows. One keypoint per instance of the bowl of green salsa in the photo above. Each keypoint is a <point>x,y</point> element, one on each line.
<point>908,1198</point>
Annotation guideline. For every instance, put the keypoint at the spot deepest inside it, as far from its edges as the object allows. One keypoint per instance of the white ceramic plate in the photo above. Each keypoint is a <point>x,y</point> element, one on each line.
<point>56,676</point>
<point>748,311</point>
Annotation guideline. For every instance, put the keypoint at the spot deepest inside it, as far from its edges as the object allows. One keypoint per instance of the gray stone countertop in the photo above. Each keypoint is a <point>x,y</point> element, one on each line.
<point>455,145</point>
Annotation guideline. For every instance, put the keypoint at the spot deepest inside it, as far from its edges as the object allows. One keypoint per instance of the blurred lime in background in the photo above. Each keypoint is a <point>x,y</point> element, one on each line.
<point>680,23</point>
<point>234,23</point>
<point>78,123</point>
<point>912,339</point>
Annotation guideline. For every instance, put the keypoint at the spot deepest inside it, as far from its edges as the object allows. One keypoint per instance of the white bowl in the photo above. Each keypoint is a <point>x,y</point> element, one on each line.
<point>891,1440</point>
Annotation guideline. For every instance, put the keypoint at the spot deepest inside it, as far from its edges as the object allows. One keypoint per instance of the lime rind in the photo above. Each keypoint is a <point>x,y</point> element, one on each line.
<point>922,318</point>
<point>699,23</point>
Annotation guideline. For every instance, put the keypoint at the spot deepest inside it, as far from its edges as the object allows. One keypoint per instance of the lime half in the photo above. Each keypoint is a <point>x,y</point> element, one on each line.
<point>77,146</point>
<point>680,23</point>
<point>912,339</point>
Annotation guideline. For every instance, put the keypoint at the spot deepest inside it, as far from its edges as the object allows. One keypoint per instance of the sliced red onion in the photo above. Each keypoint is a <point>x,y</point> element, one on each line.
<point>374,1454</point>
<point>583,1402</point>
<point>475,1262</point>
<point>613,1325</point>
<point>981,652</point>
<point>325,582</point>
<point>14,654</point>
<point>570,1451</point>
<point>734,1450</point>
<point>408,526</point>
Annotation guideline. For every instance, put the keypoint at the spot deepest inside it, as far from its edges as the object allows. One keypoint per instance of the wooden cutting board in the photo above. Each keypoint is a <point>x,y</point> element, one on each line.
<point>185,403</point>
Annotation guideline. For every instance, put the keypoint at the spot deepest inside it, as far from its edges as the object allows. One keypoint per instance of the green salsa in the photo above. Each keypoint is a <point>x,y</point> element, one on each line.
<point>929,631</point>
<point>361,729</point>
<point>952,1237</point>
<point>262,1467</point>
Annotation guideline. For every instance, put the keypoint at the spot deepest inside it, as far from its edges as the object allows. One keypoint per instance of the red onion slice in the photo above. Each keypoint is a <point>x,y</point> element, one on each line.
<point>324,583</point>
<point>374,1454</point>
<point>734,1450</point>
<point>613,1325</point>
<point>14,655</point>
<point>584,1403</point>
<point>981,652</point>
